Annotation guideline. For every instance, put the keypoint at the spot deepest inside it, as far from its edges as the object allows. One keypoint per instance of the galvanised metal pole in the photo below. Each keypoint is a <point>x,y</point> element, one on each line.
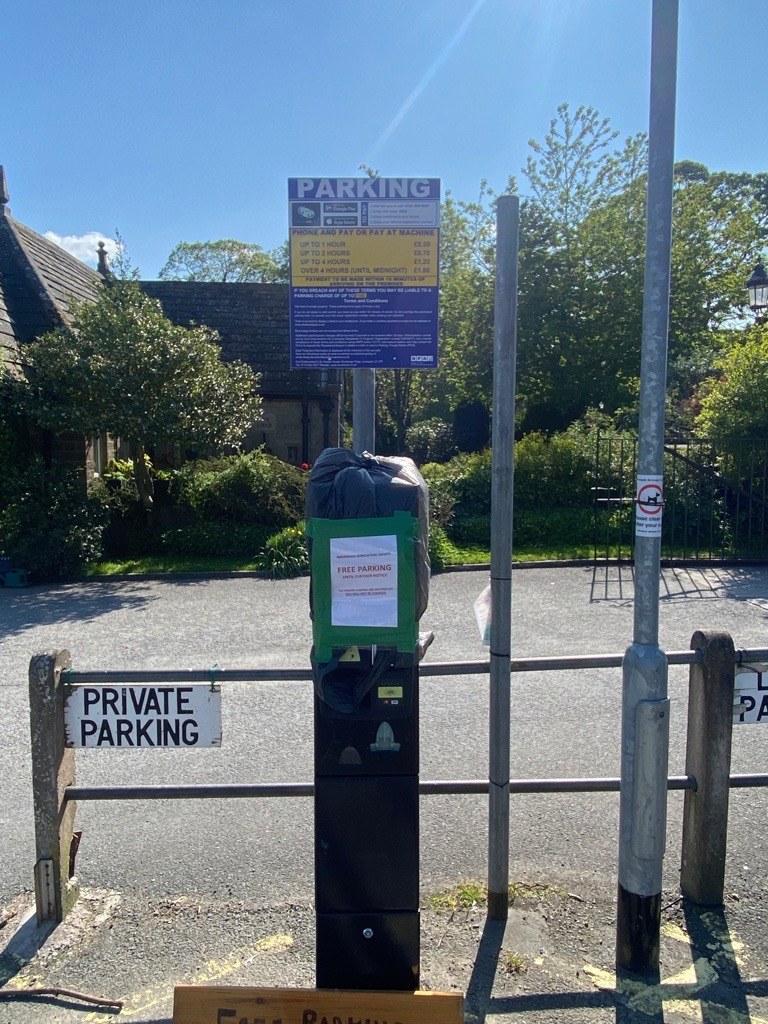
<point>502,492</point>
<point>364,411</point>
<point>645,705</point>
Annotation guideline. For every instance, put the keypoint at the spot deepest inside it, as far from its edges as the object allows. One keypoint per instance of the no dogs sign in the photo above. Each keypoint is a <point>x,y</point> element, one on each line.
<point>649,502</point>
<point>143,716</point>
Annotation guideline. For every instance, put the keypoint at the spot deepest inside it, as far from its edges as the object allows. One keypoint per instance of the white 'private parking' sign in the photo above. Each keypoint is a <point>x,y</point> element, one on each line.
<point>143,716</point>
<point>750,699</point>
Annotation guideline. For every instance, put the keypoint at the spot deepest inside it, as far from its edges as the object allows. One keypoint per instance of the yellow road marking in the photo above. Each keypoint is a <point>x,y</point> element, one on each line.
<point>680,993</point>
<point>211,971</point>
<point>673,931</point>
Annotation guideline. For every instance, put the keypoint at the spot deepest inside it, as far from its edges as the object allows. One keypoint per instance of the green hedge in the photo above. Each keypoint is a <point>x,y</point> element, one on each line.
<point>216,538</point>
<point>249,488</point>
<point>49,526</point>
<point>532,529</point>
<point>227,506</point>
<point>554,471</point>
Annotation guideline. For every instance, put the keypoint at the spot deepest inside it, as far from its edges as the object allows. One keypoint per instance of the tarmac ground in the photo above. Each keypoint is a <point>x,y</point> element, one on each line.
<point>552,961</point>
<point>175,895</point>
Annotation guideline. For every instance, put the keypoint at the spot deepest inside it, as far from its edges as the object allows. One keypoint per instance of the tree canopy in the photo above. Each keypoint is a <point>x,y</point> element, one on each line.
<point>580,272</point>
<point>124,368</point>
<point>734,407</point>
<point>226,260</point>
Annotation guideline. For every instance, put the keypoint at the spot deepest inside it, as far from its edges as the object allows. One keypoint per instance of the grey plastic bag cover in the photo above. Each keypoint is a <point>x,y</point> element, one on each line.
<point>344,485</point>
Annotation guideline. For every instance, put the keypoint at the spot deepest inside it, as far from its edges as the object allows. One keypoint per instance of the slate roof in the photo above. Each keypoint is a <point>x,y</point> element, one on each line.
<point>252,323</point>
<point>8,344</point>
<point>38,283</point>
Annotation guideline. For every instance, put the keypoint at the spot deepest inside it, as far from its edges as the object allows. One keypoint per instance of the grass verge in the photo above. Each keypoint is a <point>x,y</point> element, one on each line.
<point>458,554</point>
<point>454,554</point>
<point>171,564</point>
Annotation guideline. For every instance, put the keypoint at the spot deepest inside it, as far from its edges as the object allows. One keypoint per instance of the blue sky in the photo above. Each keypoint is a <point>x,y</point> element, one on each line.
<point>180,120</point>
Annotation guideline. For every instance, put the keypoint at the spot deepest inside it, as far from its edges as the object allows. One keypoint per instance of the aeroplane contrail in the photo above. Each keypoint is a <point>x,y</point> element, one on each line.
<point>427,77</point>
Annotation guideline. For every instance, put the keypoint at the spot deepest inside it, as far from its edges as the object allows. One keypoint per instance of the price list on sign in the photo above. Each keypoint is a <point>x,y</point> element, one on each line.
<point>364,272</point>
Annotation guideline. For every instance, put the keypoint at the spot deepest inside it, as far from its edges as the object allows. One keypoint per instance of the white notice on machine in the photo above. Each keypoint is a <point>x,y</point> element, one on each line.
<point>364,581</point>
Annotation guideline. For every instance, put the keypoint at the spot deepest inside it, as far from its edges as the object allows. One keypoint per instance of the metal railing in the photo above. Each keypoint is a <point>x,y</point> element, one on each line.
<point>53,763</point>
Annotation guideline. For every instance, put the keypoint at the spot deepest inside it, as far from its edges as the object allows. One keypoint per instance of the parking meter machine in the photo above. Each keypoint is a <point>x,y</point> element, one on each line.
<point>367,519</point>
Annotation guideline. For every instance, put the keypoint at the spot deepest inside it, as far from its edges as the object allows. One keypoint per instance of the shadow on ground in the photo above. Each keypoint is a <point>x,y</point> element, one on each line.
<point>32,607</point>
<point>709,988</point>
<point>617,583</point>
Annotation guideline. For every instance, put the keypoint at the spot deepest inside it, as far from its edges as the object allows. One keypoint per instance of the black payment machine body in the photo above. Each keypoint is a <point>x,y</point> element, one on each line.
<point>367,519</point>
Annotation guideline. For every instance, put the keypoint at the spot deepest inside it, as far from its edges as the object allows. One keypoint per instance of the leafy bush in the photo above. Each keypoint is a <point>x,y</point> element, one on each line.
<point>430,440</point>
<point>554,528</point>
<point>439,547</point>
<point>471,530</point>
<point>442,500</point>
<point>50,527</point>
<point>554,471</point>
<point>557,529</point>
<point>249,488</point>
<point>466,478</point>
<point>216,539</point>
<point>286,553</point>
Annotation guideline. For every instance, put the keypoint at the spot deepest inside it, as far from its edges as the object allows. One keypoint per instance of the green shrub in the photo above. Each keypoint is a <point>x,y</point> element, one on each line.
<point>286,553</point>
<point>249,488</point>
<point>557,529</point>
<point>473,531</point>
<point>50,527</point>
<point>553,471</point>
<point>466,479</point>
<point>216,539</point>
<point>550,472</point>
<point>430,441</point>
<point>439,548</point>
<point>442,500</point>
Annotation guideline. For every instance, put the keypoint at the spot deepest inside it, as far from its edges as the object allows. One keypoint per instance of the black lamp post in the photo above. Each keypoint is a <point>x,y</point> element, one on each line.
<point>757,286</point>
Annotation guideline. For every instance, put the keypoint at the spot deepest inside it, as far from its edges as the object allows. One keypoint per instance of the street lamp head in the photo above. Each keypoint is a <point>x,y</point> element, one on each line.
<point>757,286</point>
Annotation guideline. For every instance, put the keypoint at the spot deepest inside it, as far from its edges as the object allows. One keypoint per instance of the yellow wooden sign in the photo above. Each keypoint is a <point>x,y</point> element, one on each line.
<point>203,1004</point>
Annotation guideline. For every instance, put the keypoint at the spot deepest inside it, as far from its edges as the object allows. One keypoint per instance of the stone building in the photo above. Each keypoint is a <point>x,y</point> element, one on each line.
<point>39,281</point>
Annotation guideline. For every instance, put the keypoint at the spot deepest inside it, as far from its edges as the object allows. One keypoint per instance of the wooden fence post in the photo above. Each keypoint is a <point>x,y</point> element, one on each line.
<point>53,769</point>
<point>708,760</point>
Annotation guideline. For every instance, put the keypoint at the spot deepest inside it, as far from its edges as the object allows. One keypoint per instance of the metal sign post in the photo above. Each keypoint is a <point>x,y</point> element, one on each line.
<point>364,411</point>
<point>502,479</point>
<point>645,705</point>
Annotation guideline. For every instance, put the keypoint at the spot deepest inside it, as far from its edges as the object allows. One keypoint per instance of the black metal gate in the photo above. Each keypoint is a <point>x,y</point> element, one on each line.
<point>715,502</point>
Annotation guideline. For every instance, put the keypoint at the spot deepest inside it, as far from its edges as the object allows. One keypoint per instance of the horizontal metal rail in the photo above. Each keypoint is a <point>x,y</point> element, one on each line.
<point>748,781</point>
<point>426,669</point>
<point>284,789</point>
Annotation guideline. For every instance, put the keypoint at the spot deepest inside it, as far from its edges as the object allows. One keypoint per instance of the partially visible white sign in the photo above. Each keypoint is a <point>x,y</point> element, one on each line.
<point>482,608</point>
<point>364,581</point>
<point>143,716</point>
<point>649,502</point>
<point>750,699</point>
